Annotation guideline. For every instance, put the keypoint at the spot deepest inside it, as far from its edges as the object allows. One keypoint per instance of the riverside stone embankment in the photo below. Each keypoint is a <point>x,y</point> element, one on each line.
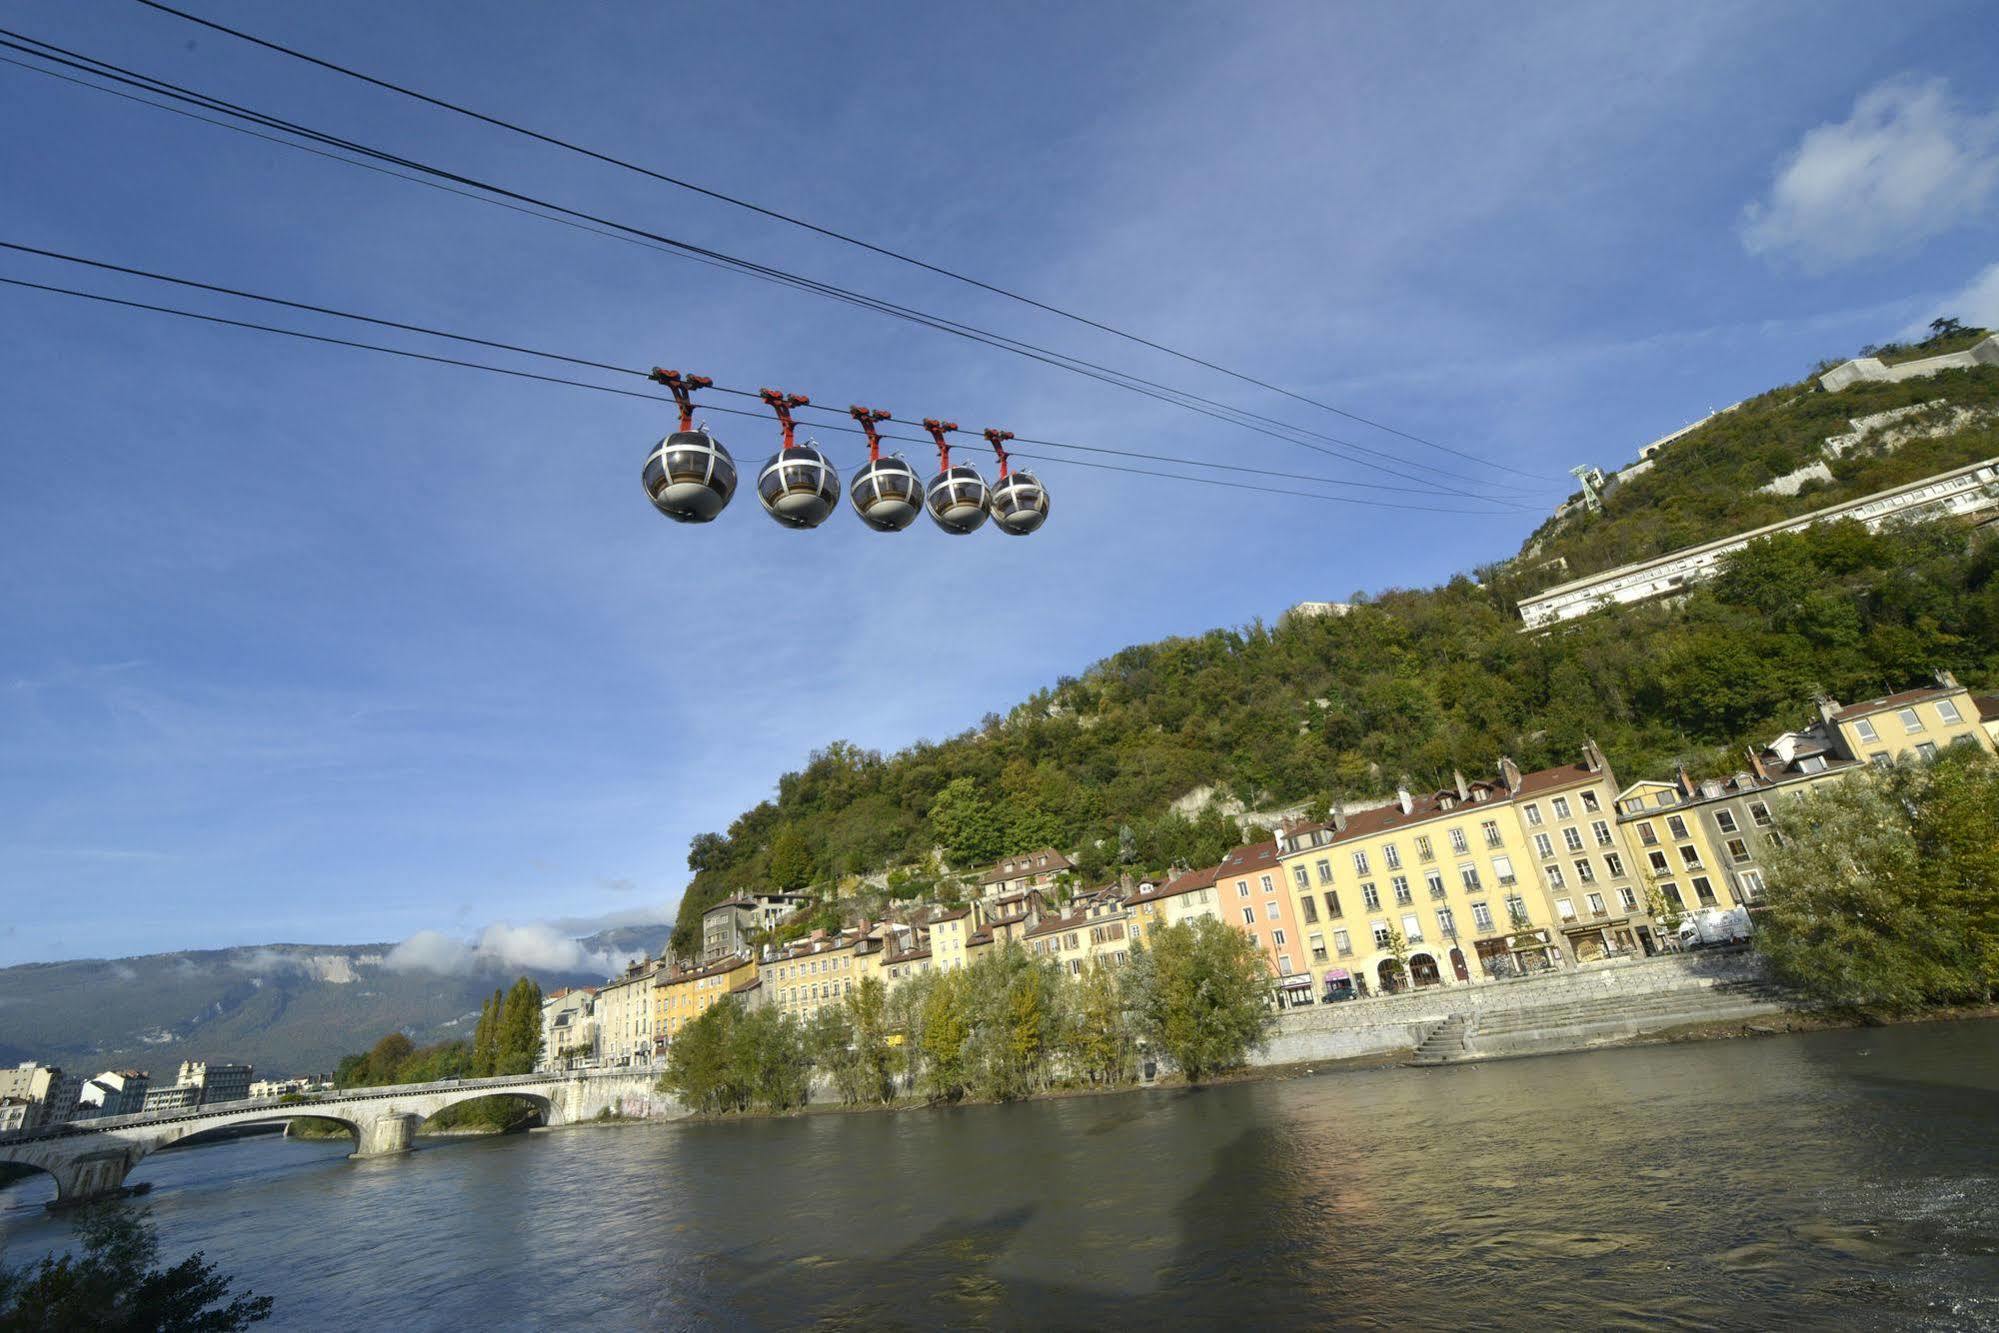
<point>1561,1011</point>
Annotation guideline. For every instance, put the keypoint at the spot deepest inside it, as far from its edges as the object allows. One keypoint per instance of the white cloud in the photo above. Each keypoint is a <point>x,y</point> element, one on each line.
<point>1975,306</point>
<point>1908,164</point>
<point>502,946</point>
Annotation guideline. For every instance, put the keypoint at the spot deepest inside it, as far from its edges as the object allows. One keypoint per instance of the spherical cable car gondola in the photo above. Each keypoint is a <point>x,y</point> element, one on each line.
<point>957,497</point>
<point>1019,500</point>
<point>886,492</point>
<point>688,476</point>
<point>797,486</point>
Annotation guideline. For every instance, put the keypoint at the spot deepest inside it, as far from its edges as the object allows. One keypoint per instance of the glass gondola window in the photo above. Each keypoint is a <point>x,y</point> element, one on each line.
<point>688,476</point>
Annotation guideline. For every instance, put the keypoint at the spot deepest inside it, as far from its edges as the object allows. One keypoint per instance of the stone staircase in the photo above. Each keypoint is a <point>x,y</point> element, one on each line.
<point>1591,1020</point>
<point>1445,1043</point>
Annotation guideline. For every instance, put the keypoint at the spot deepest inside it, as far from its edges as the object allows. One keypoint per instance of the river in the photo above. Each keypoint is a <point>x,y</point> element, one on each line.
<point>1833,1178</point>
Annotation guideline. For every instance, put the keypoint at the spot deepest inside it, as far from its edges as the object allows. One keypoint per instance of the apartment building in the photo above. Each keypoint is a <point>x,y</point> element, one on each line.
<point>1013,874</point>
<point>681,995</point>
<point>816,973</point>
<point>729,927</point>
<point>1187,897</point>
<point>1250,884</point>
<point>1095,930</point>
<point>626,1017</point>
<point>115,1092</point>
<point>950,933</point>
<point>569,1028</point>
<point>216,1082</point>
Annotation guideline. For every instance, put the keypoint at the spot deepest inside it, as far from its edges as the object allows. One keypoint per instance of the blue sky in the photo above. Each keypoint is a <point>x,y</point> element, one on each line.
<point>300,644</point>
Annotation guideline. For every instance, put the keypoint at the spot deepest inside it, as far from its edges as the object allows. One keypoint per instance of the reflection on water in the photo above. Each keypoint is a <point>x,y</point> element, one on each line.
<point>1833,1178</point>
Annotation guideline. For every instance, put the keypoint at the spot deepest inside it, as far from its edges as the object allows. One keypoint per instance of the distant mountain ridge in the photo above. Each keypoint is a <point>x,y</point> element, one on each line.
<point>285,1008</point>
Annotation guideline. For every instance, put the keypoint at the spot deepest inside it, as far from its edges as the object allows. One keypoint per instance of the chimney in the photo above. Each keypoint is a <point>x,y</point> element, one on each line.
<point>1593,756</point>
<point>1946,680</point>
<point>1339,816</point>
<point>1458,777</point>
<point>1402,801</point>
<point>1509,773</point>
<point>1685,780</point>
<point>1756,763</point>
<point>1828,707</point>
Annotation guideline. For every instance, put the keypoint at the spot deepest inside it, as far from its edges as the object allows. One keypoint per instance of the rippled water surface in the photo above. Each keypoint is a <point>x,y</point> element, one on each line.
<point>1840,1178</point>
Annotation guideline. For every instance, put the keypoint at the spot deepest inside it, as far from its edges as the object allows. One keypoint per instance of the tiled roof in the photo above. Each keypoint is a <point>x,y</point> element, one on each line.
<point>1249,855</point>
<point>1026,865</point>
<point>1422,809</point>
<point>1888,701</point>
<point>1187,883</point>
<point>1055,925</point>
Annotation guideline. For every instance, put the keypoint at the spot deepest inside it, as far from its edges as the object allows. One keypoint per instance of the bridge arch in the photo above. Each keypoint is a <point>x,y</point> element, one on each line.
<point>544,1106</point>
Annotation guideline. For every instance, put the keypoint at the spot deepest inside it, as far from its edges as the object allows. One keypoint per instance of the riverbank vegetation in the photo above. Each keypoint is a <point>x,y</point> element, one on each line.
<point>1885,896</point>
<point>506,1040</point>
<point>1011,1025</point>
<point>115,1282</point>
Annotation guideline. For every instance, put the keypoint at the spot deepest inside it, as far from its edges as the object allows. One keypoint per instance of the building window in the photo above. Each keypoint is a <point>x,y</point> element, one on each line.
<point>1865,730</point>
<point>1647,834</point>
<point>1325,872</point>
<point>1554,873</point>
<point>1270,909</point>
<point>1369,897</point>
<point>1277,938</point>
<point>1284,964</point>
<point>1561,804</point>
<point>1738,850</point>
<point>1434,879</point>
<point>1613,865</point>
<point>1690,856</point>
<point>1516,908</point>
<point>1585,872</point>
<point>1252,937</point>
<point>1629,898</point>
<point>1948,712</point>
<point>1533,813</point>
<point>1459,843</point>
<point>1565,908</point>
<point>1332,906</point>
<point>1490,828</point>
<point>1242,888</point>
<point>1400,883</point>
<point>1671,892</point>
<point>1360,863</point>
<point>1423,852</point>
<point>1468,876</point>
<point>1447,924</point>
<point>1249,916</point>
<point>1602,832</point>
<point>1596,907</point>
<point>1300,877</point>
<point>1317,944</point>
<point>1572,838</point>
<point>1759,814</point>
<point>1926,749</point>
<point>1677,825</point>
<point>1481,916</point>
<point>1725,821</point>
<point>1752,885</point>
<point>1380,934</point>
<point>1703,891</point>
<point>1912,721</point>
<point>1341,944</point>
<point>1264,880</point>
<point>1590,803</point>
<point>1392,855</point>
<point>1309,907</point>
<point>1502,870</point>
<point>1544,846</point>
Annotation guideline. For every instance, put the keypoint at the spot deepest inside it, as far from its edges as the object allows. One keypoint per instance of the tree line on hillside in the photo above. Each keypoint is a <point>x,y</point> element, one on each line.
<point>1008,1026</point>
<point>1338,707</point>
<point>1885,896</point>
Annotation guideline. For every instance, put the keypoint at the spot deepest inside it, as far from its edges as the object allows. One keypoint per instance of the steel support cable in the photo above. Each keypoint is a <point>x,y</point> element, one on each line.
<point>516,373</point>
<point>1136,384</point>
<point>333,312</point>
<point>795,221</point>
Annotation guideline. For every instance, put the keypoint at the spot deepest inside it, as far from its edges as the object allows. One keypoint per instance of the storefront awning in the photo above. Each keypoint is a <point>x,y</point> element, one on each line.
<point>1338,974</point>
<point>1296,983</point>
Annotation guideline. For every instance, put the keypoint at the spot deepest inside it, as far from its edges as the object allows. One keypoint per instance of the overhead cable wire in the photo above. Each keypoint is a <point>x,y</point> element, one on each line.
<point>515,373</point>
<point>807,225</point>
<point>152,276</point>
<point>1165,393</point>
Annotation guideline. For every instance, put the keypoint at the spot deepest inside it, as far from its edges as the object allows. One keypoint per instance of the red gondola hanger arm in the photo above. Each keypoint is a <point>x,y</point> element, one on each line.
<point>870,417</point>
<point>938,430</point>
<point>682,387</point>
<point>997,439</point>
<point>782,403</point>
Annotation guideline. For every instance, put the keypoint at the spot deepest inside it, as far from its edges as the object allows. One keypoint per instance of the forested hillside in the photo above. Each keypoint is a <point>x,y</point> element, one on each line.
<point>1420,682</point>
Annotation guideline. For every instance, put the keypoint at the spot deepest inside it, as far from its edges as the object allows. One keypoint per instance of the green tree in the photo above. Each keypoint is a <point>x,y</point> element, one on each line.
<point>1200,994</point>
<point>486,1037</point>
<point>945,1030</point>
<point>1886,893</point>
<point>700,1065</point>
<point>117,1284</point>
<point>518,1044</point>
<point>791,864</point>
<point>1096,1031</point>
<point>966,825</point>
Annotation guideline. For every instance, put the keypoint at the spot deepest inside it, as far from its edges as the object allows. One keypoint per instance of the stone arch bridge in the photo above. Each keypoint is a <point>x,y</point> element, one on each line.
<point>91,1158</point>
